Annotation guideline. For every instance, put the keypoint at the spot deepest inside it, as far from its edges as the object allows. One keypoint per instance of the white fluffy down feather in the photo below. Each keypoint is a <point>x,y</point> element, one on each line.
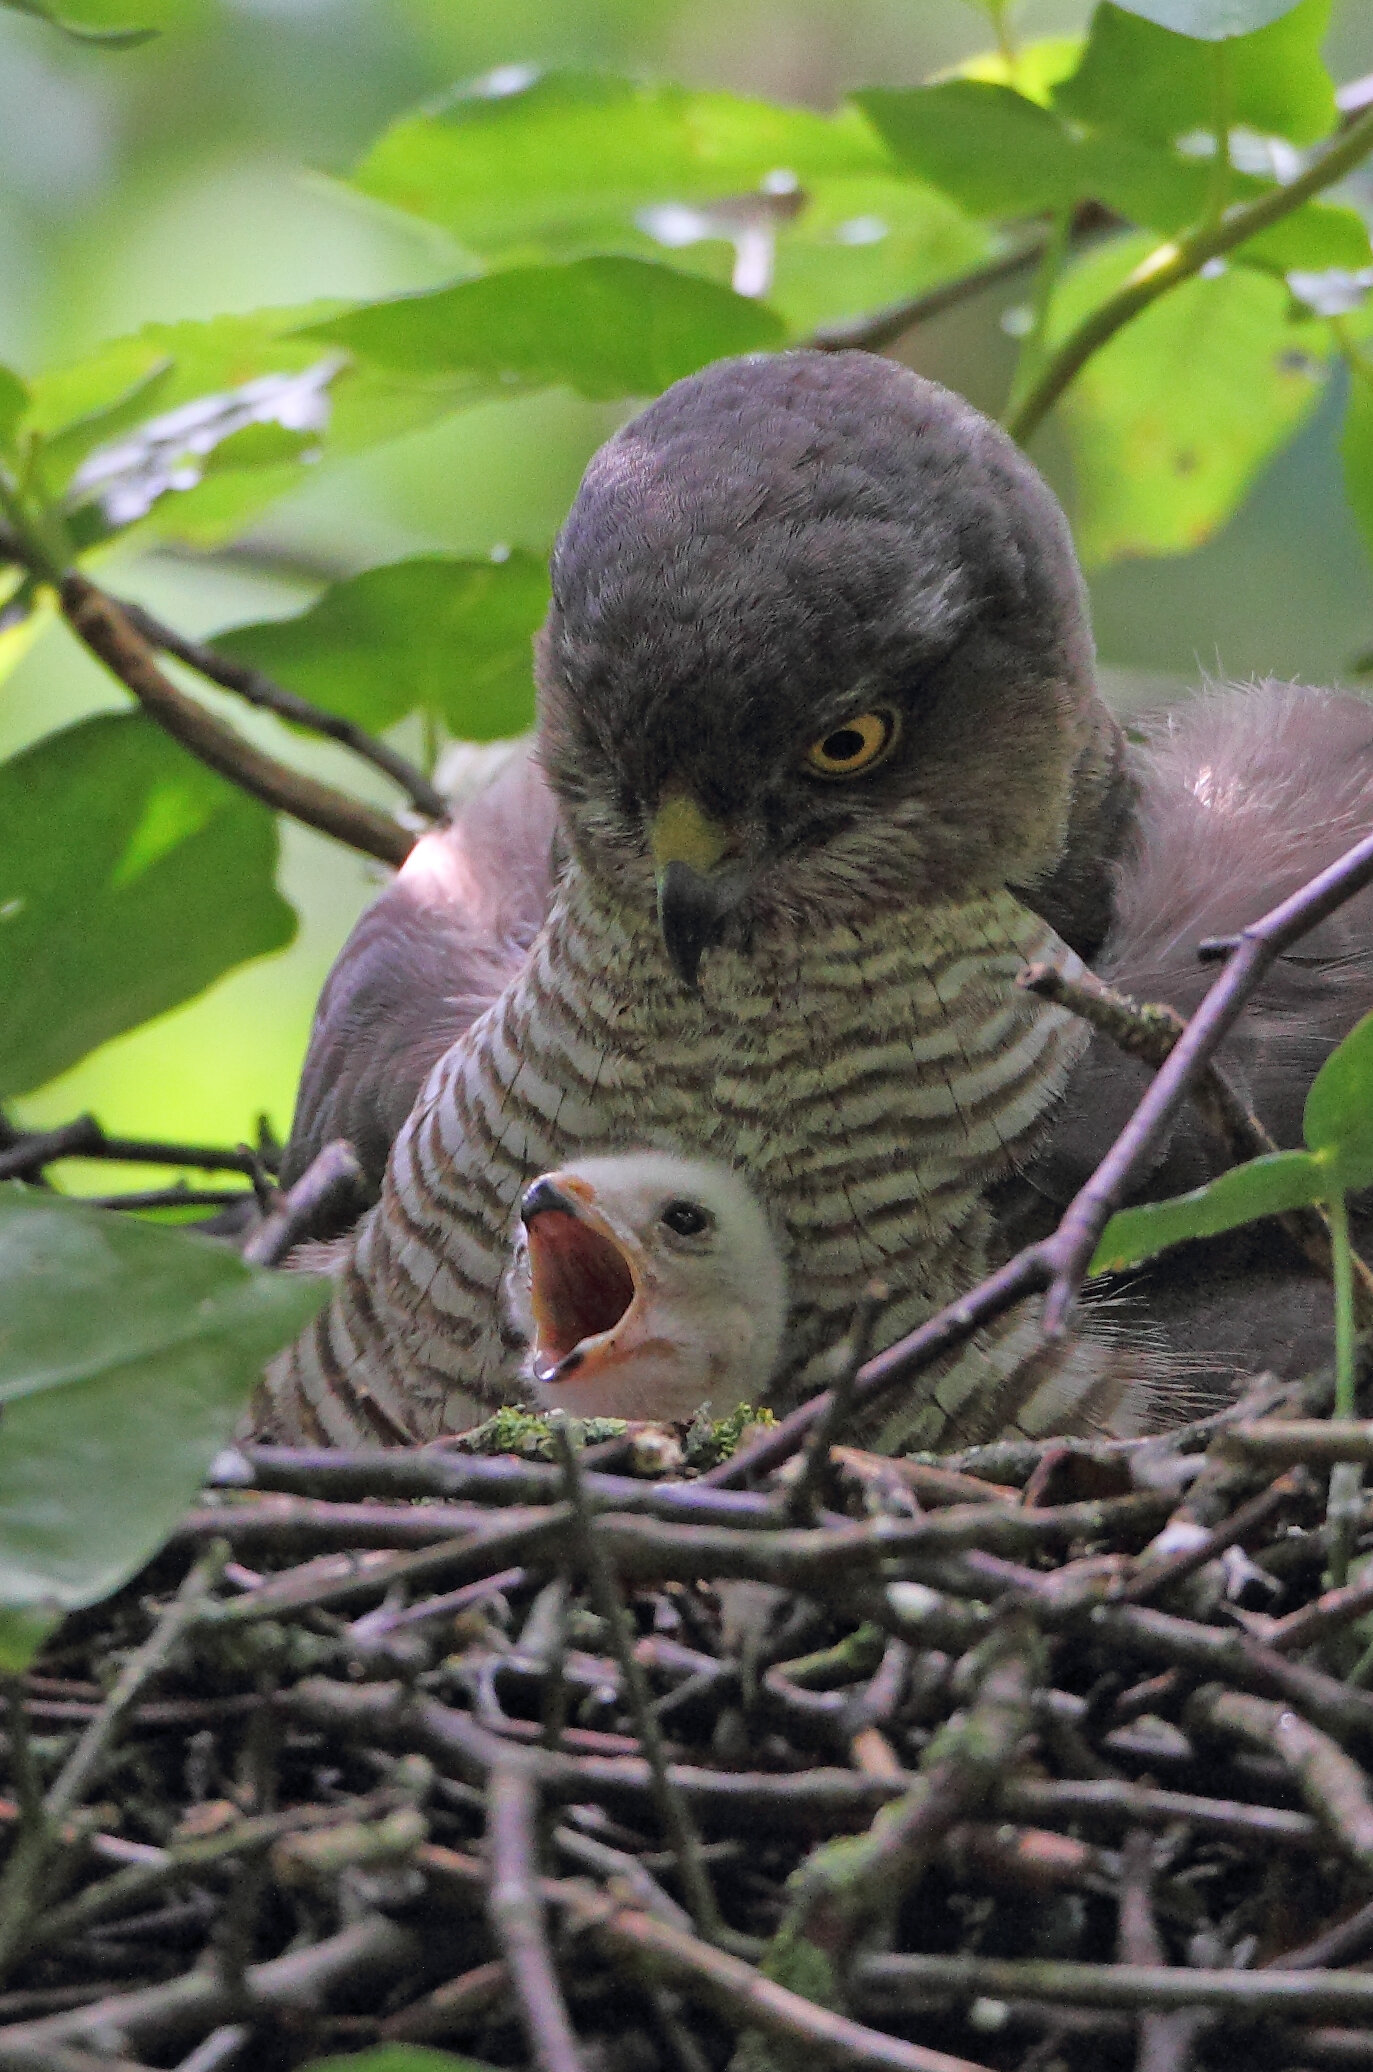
<point>645,1285</point>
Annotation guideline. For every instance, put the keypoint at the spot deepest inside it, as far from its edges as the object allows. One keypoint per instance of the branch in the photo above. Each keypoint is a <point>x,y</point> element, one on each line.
<point>25,1152</point>
<point>324,1200</point>
<point>1151,1033</point>
<point>260,690</point>
<point>516,1908</point>
<point>682,1836</point>
<point>1059,1263</point>
<point>884,326</point>
<point>1177,261</point>
<point>104,628</point>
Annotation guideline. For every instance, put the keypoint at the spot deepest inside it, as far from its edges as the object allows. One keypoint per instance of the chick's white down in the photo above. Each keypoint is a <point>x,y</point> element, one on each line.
<point>645,1285</point>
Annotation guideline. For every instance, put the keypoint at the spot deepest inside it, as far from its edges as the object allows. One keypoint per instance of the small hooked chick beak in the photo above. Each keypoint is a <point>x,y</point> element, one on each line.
<point>694,895</point>
<point>584,1280</point>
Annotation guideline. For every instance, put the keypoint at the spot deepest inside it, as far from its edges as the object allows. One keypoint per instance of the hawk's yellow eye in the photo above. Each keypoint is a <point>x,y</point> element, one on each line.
<point>853,747</point>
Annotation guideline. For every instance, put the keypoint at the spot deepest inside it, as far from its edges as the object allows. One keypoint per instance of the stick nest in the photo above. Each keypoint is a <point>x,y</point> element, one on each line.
<point>1036,1756</point>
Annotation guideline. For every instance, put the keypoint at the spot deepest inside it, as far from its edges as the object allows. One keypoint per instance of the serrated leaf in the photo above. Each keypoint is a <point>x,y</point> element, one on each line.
<point>604,327</point>
<point>450,636</point>
<point>127,1357</point>
<point>1356,449</point>
<point>214,362</point>
<point>1153,83</point>
<point>1171,421</point>
<point>565,165</point>
<point>62,452</point>
<point>131,877</point>
<point>1338,1119</point>
<point>1264,1187</point>
<point>1211,19</point>
<point>526,163</point>
<point>14,401</point>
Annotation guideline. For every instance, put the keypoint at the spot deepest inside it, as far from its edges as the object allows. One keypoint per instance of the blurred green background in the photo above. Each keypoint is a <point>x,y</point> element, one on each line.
<point>191,176</point>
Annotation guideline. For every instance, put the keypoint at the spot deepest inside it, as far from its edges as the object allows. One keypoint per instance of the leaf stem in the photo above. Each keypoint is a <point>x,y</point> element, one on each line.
<point>1343,1263</point>
<point>1346,1477</point>
<point>1178,260</point>
<point>1221,103</point>
<point>1033,346</point>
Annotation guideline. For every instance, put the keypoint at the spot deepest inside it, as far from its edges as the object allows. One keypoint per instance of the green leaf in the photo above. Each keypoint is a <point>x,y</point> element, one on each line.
<point>448,635</point>
<point>1356,448</point>
<point>1338,1118</point>
<point>1171,421</point>
<point>999,154</point>
<point>1264,1187</point>
<point>1034,69</point>
<point>1152,83</point>
<point>131,877</point>
<point>527,164</point>
<point>604,327</point>
<point>62,453</point>
<point>565,165</point>
<point>14,401</point>
<point>1211,19</point>
<point>69,20</point>
<point>127,1357</point>
<point>227,372</point>
<point>994,151</point>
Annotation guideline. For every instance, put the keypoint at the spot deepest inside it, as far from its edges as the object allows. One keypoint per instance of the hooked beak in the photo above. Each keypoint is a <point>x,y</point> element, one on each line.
<point>584,1282</point>
<point>695,896</point>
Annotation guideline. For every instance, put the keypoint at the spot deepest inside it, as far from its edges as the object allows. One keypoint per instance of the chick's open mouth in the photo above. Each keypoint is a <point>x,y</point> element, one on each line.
<point>580,1286</point>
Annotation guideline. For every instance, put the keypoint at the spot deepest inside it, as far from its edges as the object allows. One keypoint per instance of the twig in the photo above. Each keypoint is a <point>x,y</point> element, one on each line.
<point>1165,2036</point>
<point>1314,1442</point>
<point>179,1197</point>
<point>1335,1608</point>
<point>29,1151</point>
<point>805,1802</point>
<point>801,1499</point>
<point>34,1847</point>
<point>1151,1576</point>
<point>484,1551</point>
<point>372,1952</point>
<point>102,626</point>
<point>55,2057</point>
<point>884,326</point>
<point>260,690</point>
<point>1179,260</point>
<point>1348,1939</point>
<point>1332,1784</point>
<point>1213,1651</point>
<point>323,1193</point>
<point>1150,1032</point>
<point>219,2049</point>
<point>128,1888</point>
<point>450,2009</point>
<point>746,1998</point>
<point>1059,1263</point>
<point>517,1916</point>
<point>696,1886</point>
<point>843,1885</point>
<point>888,1983</point>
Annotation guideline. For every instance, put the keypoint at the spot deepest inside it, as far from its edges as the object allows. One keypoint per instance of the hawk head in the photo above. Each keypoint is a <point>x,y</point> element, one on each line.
<point>818,644</point>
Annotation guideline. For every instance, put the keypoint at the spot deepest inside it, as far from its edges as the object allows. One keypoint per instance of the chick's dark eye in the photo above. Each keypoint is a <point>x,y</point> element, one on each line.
<point>687,1219</point>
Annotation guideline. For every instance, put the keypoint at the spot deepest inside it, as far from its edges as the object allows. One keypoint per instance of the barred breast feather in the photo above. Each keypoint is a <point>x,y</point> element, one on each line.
<point>869,1081</point>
